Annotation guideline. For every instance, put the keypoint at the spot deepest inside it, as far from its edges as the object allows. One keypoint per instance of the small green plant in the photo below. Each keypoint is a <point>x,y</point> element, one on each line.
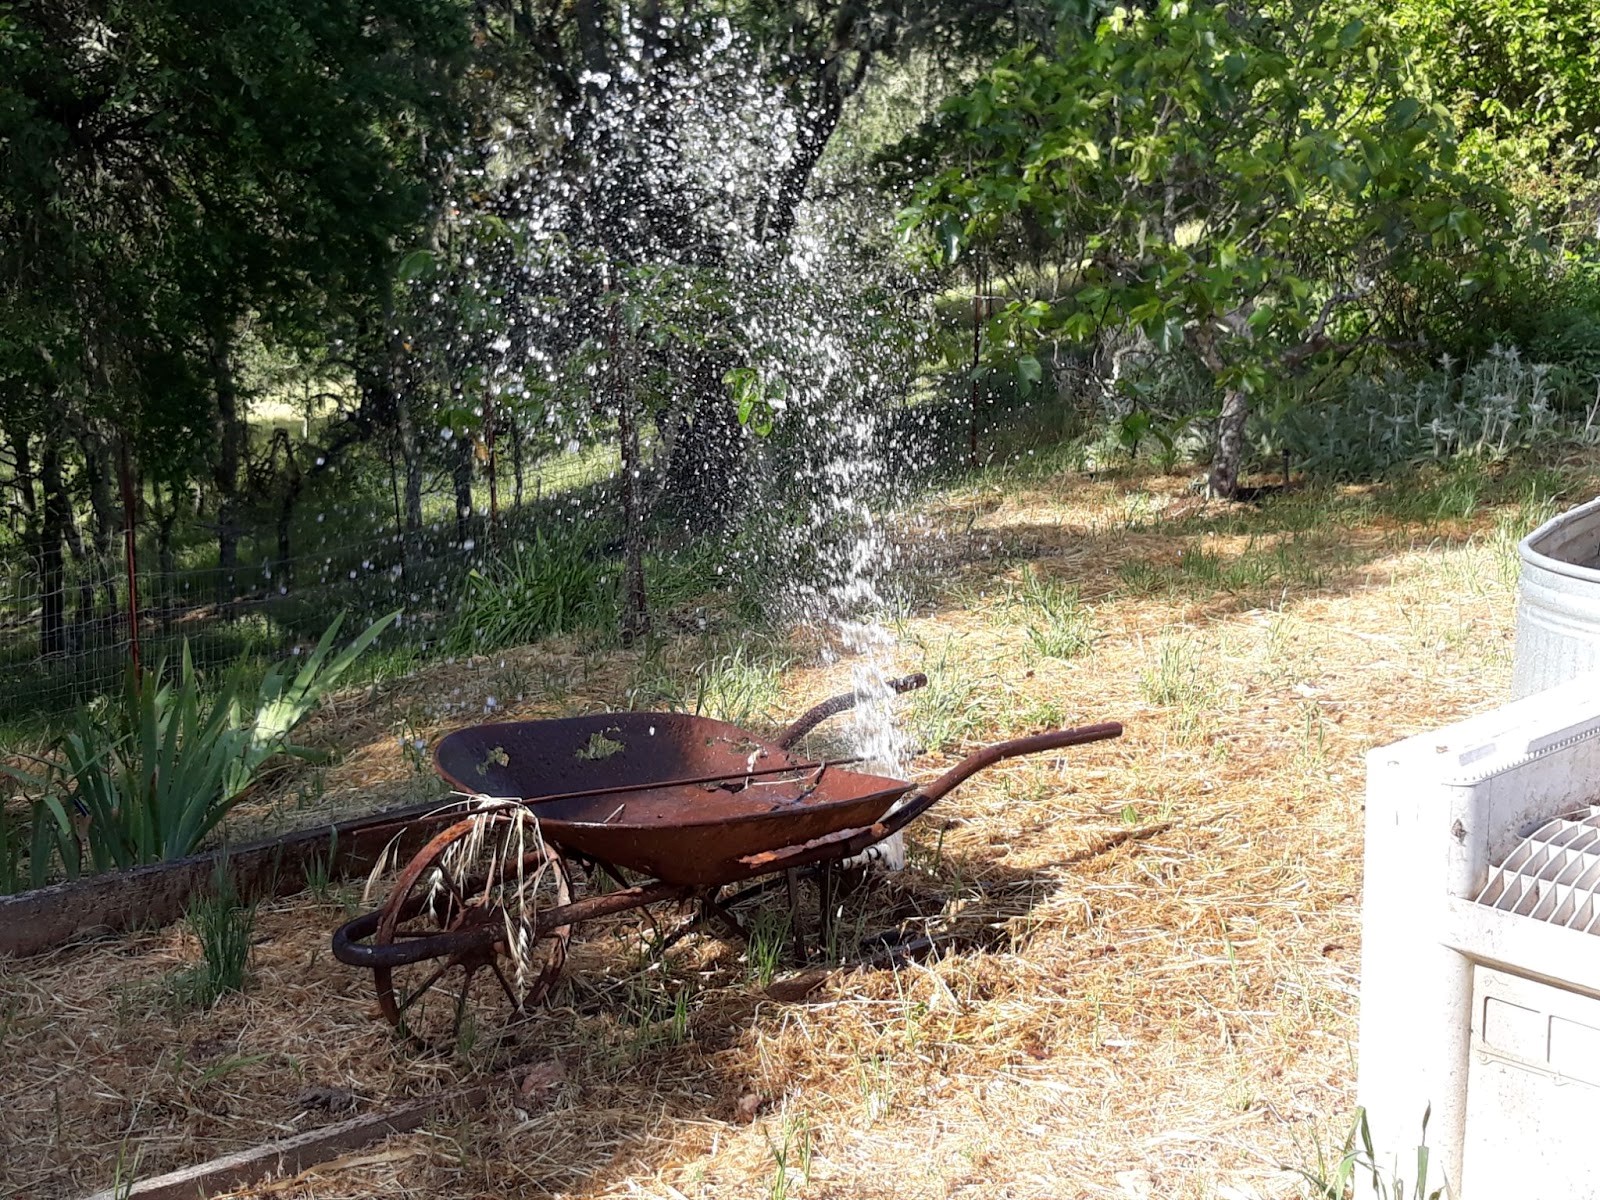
<point>310,793</point>
<point>739,688</point>
<point>1337,1178</point>
<point>548,585</point>
<point>1177,682</point>
<point>950,710</point>
<point>224,927</point>
<point>1312,752</point>
<point>1062,627</point>
<point>319,870</point>
<point>769,934</point>
<point>413,746</point>
<point>659,1010</point>
<point>795,1149</point>
<point>1140,577</point>
<point>125,1172</point>
<point>466,1034</point>
<point>875,1075</point>
<point>12,838</point>
<point>229,1066</point>
<point>29,846</point>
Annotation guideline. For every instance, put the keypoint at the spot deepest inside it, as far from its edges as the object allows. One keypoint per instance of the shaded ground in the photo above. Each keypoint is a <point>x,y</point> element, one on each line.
<point>1169,1015</point>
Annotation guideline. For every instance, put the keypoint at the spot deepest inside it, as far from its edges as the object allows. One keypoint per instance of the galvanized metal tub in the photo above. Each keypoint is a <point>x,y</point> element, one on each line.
<point>1558,602</point>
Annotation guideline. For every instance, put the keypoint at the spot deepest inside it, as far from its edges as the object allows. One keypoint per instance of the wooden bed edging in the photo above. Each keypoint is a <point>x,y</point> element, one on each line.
<point>291,1155</point>
<point>39,920</point>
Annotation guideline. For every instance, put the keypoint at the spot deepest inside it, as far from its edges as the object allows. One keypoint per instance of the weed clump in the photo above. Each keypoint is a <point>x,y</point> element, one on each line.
<point>545,586</point>
<point>224,928</point>
<point>1060,626</point>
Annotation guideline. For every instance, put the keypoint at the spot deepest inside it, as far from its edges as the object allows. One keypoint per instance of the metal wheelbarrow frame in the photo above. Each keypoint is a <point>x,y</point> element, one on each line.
<point>689,804</point>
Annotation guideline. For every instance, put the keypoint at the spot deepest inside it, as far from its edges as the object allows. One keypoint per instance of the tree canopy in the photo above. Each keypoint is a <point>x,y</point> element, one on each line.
<point>1251,185</point>
<point>467,230</point>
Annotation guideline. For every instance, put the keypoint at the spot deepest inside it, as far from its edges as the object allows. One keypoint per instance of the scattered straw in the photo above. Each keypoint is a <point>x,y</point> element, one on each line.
<point>1146,975</point>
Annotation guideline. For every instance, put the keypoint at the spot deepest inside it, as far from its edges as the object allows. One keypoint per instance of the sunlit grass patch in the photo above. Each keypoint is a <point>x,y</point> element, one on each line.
<point>1056,621</point>
<point>950,711</point>
<point>1180,679</point>
<point>742,686</point>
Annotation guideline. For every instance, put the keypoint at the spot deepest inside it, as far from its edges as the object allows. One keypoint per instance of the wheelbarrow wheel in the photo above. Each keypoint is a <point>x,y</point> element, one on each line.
<point>490,870</point>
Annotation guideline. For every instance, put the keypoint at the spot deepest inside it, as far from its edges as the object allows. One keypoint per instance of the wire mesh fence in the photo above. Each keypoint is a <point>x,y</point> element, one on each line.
<point>70,632</point>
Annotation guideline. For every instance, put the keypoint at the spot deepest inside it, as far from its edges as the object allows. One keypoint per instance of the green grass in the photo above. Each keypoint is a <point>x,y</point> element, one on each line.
<point>950,710</point>
<point>224,928</point>
<point>1261,571</point>
<point>768,938</point>
<point>1338,1173</point>
<point>1178,680</point>
<point>791,1156</point>
<point>742,686</point>
<point>1058,624</point>
<point>544,586</point>
<point>348,558</point>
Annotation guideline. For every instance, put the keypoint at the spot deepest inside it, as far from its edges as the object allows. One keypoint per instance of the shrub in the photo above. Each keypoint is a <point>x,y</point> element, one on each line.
<point>1499,404</point>
<point>29,845</point>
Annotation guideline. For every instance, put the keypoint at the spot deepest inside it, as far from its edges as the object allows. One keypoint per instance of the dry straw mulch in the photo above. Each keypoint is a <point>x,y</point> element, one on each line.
<point>1147,977</point>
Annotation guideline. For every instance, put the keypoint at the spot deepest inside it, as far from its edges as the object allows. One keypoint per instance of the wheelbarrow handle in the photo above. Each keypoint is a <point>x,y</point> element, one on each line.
<point>842,845</point>
<point>812,717</point>
<point>1038,743</point>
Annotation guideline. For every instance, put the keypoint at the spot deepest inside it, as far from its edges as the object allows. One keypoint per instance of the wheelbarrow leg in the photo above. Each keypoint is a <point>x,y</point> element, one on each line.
<point>699,919</point>
<point>720,919</point>
<point>792,879</point>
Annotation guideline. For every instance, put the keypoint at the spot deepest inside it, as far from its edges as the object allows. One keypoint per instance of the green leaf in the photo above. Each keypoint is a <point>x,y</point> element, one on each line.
<point>415,265</point>
<point>951,234</point>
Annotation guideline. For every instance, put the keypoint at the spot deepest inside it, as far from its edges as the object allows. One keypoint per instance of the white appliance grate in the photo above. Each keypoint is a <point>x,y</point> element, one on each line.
<point>1553,874</point>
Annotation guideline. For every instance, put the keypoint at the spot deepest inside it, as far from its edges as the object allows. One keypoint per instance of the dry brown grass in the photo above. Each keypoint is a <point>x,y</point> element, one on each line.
<point>1169,1014</point>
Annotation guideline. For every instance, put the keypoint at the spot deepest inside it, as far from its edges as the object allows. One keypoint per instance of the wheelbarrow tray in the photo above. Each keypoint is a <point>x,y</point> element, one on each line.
<point>626,814</point>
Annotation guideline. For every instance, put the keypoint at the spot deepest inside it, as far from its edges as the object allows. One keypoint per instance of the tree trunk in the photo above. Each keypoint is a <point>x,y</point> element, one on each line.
<point>776,222</point>
<point>23,478</point>
<point>57,512</point>
<point>410,456</point>
<point>97,470</point>
<point>1224,481</point>
<point>230,431</point>
<point>128,490</point>
<point>705,474</point>
<point>166,562</point>
<point>635,606</point>
<point>461,473</point>
<point>289,498</point>
<point>514,431</point>
<point>88,574</point>
<point>1229,457</point>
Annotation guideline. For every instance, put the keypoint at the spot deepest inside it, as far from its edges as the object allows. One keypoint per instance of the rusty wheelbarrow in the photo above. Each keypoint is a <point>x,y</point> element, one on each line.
<point>686,805</point>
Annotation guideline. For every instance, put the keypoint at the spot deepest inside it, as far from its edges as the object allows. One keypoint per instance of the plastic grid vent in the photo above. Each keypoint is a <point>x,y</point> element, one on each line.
<point>1553,875</point>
